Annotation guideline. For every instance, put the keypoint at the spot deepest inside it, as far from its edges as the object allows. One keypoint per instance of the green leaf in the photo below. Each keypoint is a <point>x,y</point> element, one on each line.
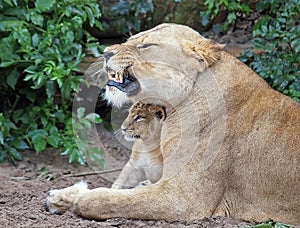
<point>205,19</point>
<point>14,153</point>
<point>80,112</point>
<point>50,88</point>
<point>99,25</point>
<point>9,2</point>
<point>86,123</point>
<point>2,155</point>
<point>23,36</point>
<point>44,5</point>
<point>21,145</point>
<point>66,152</point>
<point>80,158</point>
<point>40,132</point>
<point>95,154</point>
<point>296,45</point>
<point>53,140</point>
<point>40,82</point>
<point>262,226</point>
<point>231,17</point>
<point>1,138</point>
<point>13,78</point>
<point>53,130</point>
<point>73,155</point>
<point>264,28</point>
<point>35,39</point>
<point>69,37</point>
<point>10,24</point>
<point>37,19</point>
<point>90,15</point>
<point>39,143</point>
<point>60,116</point>
<point>6,64</point>
<point>94,117</point>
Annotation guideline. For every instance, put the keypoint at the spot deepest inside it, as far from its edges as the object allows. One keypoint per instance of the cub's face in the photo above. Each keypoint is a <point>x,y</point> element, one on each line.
<point>143,122</point>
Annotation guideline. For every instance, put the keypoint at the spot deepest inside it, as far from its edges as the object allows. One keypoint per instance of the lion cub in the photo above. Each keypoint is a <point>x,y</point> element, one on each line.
<point>143,126</point>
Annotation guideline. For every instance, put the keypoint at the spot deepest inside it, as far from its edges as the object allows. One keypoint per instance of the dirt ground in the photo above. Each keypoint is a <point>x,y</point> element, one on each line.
<point>24,188</point>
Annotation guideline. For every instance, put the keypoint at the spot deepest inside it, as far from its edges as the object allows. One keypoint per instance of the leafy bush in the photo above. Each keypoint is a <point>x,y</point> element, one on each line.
<point>41,43</point>
<point>278,33</point>
<point>135,13</point>
<point>271,224</point>
<point>231,8</point>
<point>10,140</point>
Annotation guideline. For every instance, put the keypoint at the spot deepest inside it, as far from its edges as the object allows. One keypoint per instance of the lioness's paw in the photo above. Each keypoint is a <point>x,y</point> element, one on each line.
<point>55,203</point>
<point>59,201</point>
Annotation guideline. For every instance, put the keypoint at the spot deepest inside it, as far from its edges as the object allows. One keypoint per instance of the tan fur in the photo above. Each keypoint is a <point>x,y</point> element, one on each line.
<point>205,50</point>
<point>142,125</point>
<point>230,144</point>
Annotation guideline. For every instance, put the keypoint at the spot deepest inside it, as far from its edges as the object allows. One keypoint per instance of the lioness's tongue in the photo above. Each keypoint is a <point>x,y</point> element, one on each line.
<point>128,86</point>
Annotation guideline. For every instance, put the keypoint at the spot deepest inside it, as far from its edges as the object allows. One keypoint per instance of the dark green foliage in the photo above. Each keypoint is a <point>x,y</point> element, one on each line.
<point>41,44</point>
<point>10,140</point>
<point>135,13</point>
<point>230,8</point>
<point>277,33</point>
<point>271,224</point>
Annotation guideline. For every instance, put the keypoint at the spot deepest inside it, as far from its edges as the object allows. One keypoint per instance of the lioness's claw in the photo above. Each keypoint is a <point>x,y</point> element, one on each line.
<point>59,201</point>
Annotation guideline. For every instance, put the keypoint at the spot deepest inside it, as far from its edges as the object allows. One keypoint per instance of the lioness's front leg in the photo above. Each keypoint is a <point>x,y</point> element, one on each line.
<point>158,201</point>
<point>102,203</point>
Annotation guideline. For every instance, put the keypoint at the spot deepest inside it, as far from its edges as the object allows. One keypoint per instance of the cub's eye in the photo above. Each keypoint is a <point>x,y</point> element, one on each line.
<point>138,118</point>
<point>143,46</point>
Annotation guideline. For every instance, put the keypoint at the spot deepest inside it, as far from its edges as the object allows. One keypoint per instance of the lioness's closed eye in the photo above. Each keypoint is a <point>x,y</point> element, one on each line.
<point>142,125</point>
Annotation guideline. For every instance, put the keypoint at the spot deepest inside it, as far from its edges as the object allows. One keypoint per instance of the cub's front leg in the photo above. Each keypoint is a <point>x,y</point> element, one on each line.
<point>129,177</point>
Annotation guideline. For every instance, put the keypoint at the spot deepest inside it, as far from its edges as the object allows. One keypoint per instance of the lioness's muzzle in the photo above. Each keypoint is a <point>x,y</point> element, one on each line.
<point>130,85</point>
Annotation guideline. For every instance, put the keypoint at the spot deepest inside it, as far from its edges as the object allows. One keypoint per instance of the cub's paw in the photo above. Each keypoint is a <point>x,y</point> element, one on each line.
<point>59,201</point>
<point>144,183</point>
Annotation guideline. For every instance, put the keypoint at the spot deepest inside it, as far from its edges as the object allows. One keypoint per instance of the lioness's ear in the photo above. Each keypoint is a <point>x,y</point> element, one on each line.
<point>204,50</point>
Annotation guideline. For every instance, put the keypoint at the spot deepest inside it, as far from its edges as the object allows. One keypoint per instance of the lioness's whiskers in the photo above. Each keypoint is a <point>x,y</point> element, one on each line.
<point>118,132</point>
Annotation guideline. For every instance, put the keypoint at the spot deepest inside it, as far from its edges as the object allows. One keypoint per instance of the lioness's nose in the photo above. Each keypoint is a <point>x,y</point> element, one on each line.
<point>108,55</point>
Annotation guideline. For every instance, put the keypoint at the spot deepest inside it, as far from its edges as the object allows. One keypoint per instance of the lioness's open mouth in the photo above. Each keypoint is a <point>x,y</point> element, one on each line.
<point>125,82</point>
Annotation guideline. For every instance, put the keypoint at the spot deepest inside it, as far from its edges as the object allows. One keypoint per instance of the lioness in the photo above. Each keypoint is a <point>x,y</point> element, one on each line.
<point>230,144</point>
<point>143,126</point>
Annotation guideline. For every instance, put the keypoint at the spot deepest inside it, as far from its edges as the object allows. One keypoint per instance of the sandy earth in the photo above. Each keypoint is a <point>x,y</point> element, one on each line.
<point>24,187</point>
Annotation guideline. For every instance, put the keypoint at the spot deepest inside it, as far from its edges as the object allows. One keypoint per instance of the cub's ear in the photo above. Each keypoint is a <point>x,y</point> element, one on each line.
<point>160,113</point>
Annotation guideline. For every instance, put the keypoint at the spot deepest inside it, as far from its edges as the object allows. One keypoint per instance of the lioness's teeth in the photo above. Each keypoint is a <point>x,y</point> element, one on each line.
<point>111,75</point>
<point>125,74</point>
<point>119,77</point>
